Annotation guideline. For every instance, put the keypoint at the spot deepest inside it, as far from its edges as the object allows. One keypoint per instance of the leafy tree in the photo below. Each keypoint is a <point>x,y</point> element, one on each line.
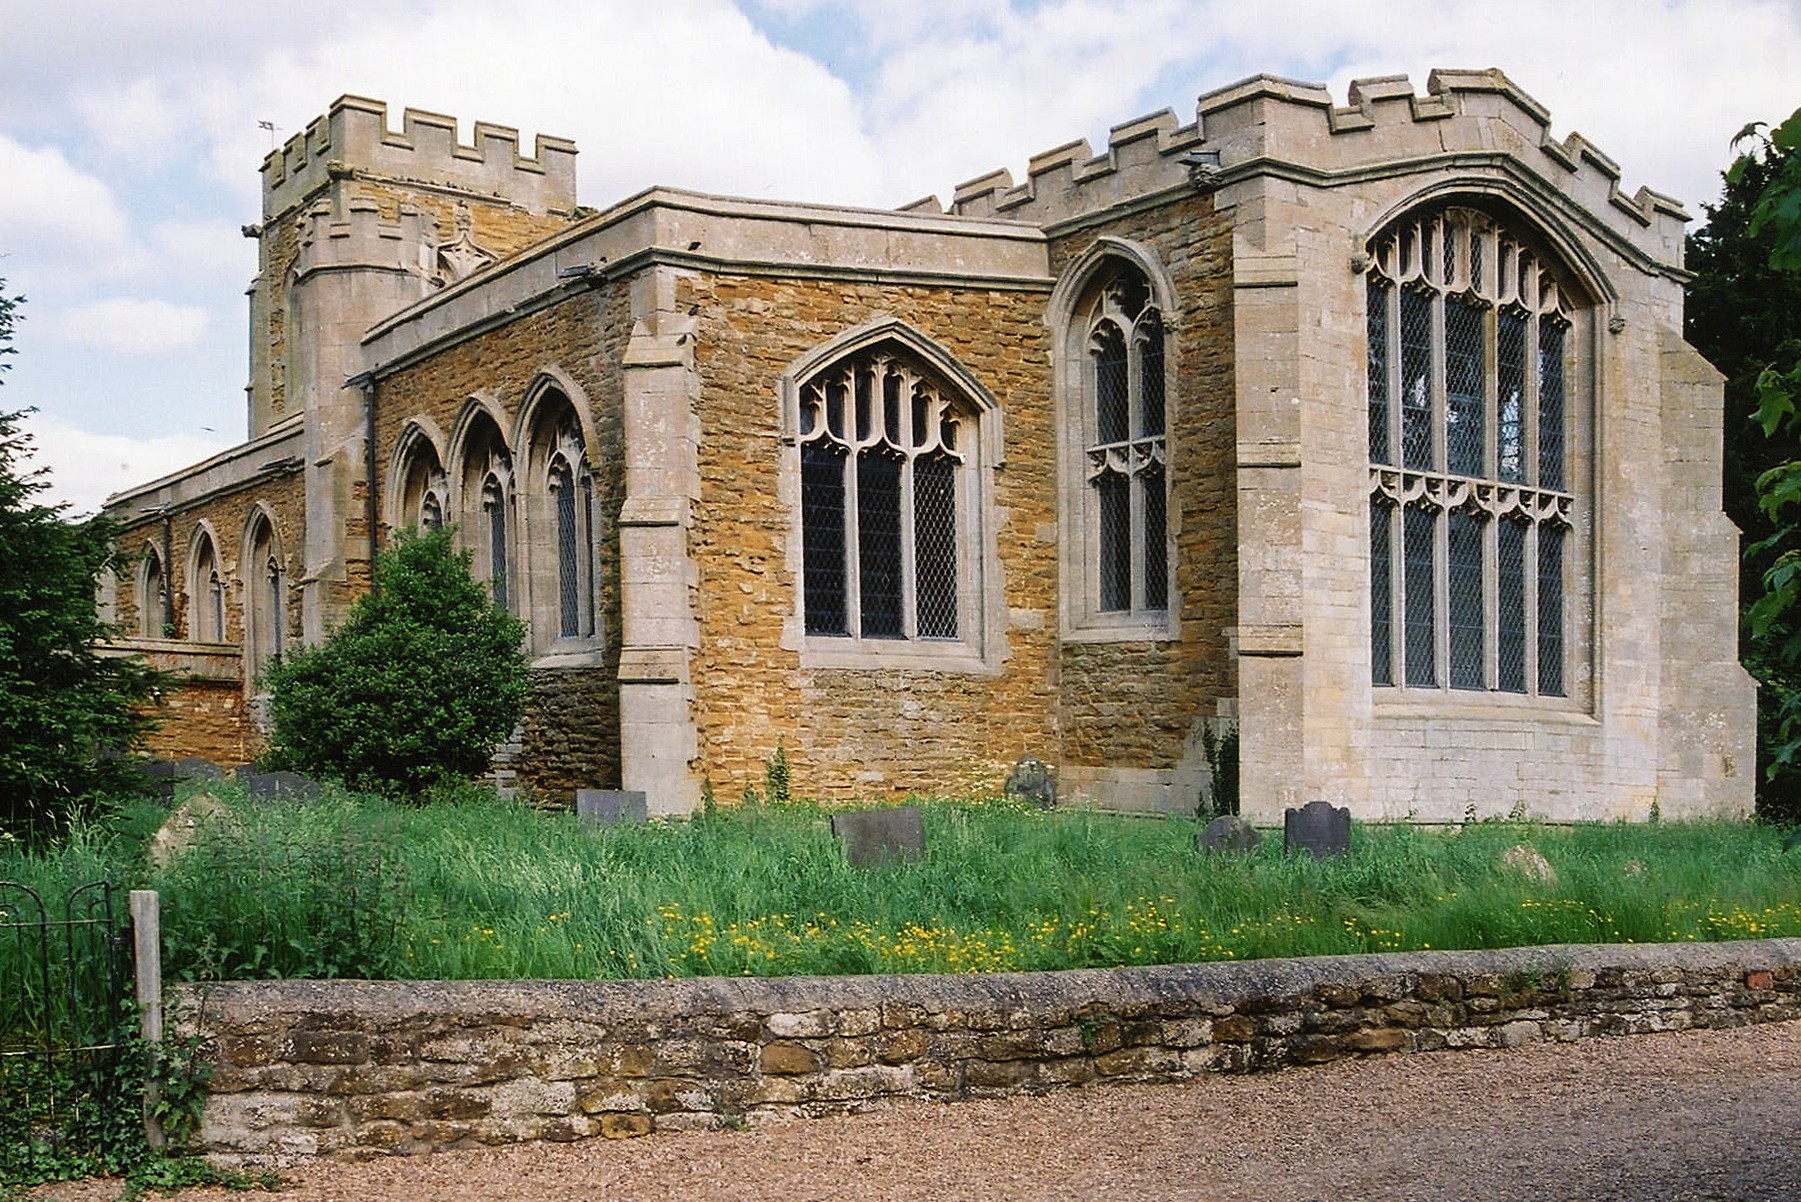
<point>417,686</point>
<point>64,708</point>
<point>1765,182</point>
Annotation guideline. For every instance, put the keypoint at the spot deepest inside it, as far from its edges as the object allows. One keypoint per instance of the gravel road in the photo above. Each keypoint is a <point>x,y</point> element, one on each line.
<point>1712,1115</point>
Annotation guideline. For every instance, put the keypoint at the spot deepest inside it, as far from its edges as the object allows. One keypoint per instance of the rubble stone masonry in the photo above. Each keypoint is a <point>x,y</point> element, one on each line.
<point>359,1069</point>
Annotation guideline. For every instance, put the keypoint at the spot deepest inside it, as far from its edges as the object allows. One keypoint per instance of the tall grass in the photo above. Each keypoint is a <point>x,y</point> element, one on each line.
<point>473,887</point>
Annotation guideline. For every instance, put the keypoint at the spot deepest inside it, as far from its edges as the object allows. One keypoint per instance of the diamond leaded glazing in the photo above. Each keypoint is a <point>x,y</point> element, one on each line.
<point>881,477</point>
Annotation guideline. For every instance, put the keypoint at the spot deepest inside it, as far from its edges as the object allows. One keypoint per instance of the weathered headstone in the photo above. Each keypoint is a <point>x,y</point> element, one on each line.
<point>873,837</point>
<point>1529,863</point>
<point>609,807</point>
<point>280,786</point>
<point>1228,832</point>
<point>1032,779</point>
<point>193,767</point>
<point>163,775</point>
<point>181,829</point>
<point>1318,828</point>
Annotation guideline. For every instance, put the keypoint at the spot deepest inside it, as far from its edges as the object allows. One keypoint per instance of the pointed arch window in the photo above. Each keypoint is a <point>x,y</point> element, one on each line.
<point>153,597</point>
<point>1470,346</point>
<point>888,474</point>
<point>265,634</point>
<point>558,572</point>
<point>1115,389</point>
<point>485,502</point>
<point>206,594</point>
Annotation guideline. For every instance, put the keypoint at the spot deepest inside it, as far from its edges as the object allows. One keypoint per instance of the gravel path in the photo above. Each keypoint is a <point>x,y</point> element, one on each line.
<point>1712,1115</point>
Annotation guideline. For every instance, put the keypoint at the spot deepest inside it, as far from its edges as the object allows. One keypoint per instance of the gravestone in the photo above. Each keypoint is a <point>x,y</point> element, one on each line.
<point>609,807</point>
<point>1318,828</point>
<point>162,776</point>
<point>1793,841</point>
<point>1228,832</point>
<point>182,828</point>
<point>280,786</point>
<point>1530,863</point>
<point>1032,779</point>
<point>192,767</point>
<point>873,837</point>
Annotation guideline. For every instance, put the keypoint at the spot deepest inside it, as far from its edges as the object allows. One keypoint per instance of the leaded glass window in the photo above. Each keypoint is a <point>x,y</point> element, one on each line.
<point>1468,362</point>
<point>884,473</point>
<point>1124,454</point>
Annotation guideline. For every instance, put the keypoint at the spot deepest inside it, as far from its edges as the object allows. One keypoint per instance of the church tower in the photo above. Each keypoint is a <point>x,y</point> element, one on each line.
<point>359,222</point>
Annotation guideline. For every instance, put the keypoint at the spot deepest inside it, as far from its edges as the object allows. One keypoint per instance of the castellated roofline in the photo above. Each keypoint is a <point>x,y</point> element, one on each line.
<point>353,136</point>
<point>1267,124</point>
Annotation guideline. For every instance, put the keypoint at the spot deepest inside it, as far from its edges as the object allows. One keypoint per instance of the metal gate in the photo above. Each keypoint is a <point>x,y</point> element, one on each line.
<point>65,1026</point>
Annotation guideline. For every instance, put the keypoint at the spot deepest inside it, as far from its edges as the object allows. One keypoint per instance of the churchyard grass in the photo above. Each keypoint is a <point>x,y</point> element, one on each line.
<point>473,887</point>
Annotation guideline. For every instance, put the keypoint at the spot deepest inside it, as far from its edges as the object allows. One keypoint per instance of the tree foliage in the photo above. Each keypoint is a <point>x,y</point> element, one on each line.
<point>417,686</point>
<point>67,712</point>
<point>1765,185</point>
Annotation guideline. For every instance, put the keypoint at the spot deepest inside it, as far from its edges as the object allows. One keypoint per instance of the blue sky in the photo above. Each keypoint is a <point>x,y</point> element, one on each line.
<point>129,135</point>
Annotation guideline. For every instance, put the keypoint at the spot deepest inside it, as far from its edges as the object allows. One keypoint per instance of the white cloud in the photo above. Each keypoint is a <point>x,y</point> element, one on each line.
<point>52,210</point>
<point>86,468</point>
<point>134,327</point>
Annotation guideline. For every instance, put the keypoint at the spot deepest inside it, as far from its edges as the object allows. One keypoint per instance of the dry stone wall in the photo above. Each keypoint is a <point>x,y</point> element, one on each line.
<point>359,1069</point>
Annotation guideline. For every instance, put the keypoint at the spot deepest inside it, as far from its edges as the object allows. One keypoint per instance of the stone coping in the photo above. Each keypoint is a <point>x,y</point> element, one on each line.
<point>368,1068</point>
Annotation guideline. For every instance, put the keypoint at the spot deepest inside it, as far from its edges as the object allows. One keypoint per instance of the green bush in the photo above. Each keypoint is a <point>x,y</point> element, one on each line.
<point>417,686</point>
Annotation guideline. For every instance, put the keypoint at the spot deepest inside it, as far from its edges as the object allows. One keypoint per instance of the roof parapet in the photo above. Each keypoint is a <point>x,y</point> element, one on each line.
<point>353,136</point>
<point>1384,125</point>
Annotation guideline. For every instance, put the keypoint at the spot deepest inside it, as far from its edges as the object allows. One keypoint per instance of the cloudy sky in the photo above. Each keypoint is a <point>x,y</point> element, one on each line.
<point>130,130</point>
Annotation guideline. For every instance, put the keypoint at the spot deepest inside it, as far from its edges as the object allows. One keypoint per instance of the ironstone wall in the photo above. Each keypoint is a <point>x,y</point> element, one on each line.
<point>359,1069</point>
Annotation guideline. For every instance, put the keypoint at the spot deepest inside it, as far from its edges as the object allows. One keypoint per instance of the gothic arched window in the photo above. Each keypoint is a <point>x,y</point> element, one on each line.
<point>1472,503</point>
<point>153,597</point>
<point>206,593</point>
<point>265,600</point>
<point>1113,381</point>
<point>886,471</point>
<point>486,479</point>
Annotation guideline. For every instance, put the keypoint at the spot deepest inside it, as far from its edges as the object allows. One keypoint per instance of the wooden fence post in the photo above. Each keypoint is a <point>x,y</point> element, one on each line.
<point>147,937</point>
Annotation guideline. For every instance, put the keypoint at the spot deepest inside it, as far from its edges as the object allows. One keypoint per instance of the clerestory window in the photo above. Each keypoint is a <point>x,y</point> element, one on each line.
<point>1472,506</point>
<point>886,475</point>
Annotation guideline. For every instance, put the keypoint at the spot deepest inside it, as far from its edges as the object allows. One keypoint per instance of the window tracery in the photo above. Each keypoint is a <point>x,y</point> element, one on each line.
<point>1471,510</point>
<point>886,471</point>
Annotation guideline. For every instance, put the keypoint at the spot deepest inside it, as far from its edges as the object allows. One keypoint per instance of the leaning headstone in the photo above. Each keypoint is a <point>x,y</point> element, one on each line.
<point>1032,780</point>
<point>181,829</point>
<point>873,837</point>
<point>609,807</point>
<point>1228,832</point>
<point>280,786</point>
<point>1318,828</point>
<point>1529,863</point>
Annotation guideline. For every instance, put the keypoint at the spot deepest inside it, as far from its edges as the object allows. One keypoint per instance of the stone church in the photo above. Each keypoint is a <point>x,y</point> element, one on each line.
<point>1365,430</point>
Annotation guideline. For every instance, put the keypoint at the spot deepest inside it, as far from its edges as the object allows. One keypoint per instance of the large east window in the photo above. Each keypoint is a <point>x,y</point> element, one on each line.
<point>886,456</point>
<point>1472,504</point>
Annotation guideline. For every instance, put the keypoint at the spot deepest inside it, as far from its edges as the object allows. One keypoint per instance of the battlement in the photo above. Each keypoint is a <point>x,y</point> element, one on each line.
<point>1465,119</point>
<point>356,234</point>
<point>353,138</point>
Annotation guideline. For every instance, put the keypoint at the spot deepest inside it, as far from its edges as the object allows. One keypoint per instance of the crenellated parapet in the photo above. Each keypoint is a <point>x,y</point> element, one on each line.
<point>353,139</point>
<point>358,235</point>
<point>1471,124</point>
